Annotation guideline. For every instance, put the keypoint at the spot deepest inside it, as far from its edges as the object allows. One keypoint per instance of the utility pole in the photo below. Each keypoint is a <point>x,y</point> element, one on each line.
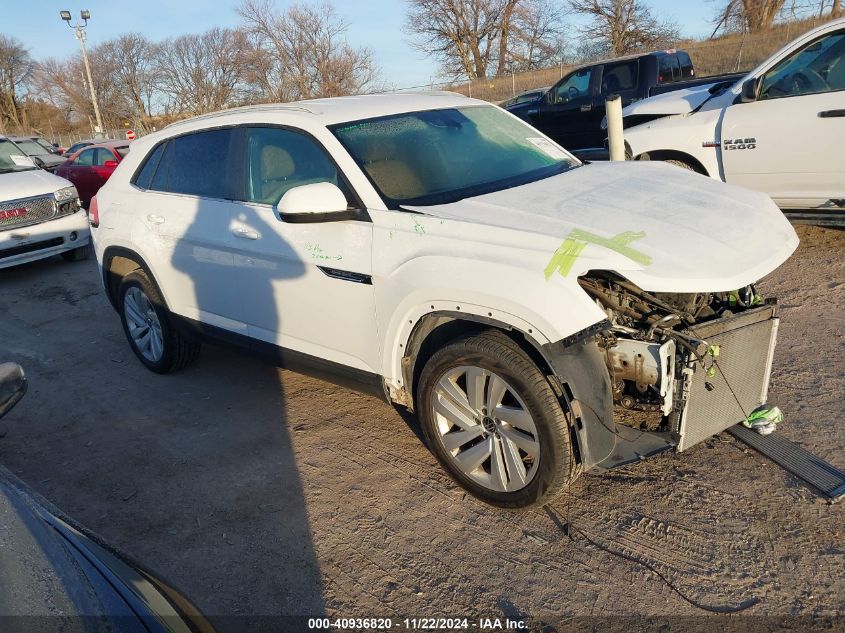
<point>85,15</point>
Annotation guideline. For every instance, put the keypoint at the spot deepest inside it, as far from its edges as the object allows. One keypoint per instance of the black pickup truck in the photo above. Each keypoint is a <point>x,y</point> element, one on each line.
<point>571,111</point>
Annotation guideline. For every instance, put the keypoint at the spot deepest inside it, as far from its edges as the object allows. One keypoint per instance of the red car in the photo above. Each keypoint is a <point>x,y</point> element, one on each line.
<point>89,168</point>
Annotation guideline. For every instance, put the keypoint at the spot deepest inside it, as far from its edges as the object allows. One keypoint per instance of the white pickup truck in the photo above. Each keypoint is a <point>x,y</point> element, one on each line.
<point>40,214</point>
<point>779,130</point>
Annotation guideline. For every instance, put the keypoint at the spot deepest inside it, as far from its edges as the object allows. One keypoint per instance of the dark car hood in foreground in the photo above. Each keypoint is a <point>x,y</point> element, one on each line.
<point>55,578</point>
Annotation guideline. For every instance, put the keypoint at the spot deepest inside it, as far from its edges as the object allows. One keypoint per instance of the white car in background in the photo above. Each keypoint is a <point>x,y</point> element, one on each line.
<point>40,214</point>
<point>441,253</point>
<point>779,130</point>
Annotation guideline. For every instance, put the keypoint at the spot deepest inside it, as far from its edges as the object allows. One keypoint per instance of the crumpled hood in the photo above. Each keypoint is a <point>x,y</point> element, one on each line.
<point>664,228</point>
<point>675,102</point>
<point>26,184</point>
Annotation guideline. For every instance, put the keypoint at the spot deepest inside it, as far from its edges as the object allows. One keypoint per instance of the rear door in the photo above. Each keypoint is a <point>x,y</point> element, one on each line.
<point>188,209</point>
<point>568,113</point>
<point>789,142</point>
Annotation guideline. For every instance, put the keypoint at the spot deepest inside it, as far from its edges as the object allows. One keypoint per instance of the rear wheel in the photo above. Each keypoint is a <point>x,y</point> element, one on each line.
<point>494,423</point>
<point>146,323</point>
<point>78,254</point>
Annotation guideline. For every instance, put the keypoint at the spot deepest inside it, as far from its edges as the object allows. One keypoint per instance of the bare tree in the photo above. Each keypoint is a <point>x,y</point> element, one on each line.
<point>130,60</point>
<point>539,40</point>
<point>16,68</point>
<point>302,53</point>
<point>748,15</point>
<point>624,26</point>
<point>460,34</point>
<point>202,73</point>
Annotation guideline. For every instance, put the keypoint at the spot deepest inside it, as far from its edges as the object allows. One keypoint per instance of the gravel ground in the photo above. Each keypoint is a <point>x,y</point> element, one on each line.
<point>260,492</point>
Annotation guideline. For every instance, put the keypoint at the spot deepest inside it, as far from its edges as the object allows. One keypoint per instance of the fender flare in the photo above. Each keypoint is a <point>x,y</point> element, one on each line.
<point>109,281</point>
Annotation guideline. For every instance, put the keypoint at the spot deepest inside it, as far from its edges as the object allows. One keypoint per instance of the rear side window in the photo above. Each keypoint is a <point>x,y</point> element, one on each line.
<point>144,178</point>
<point>196,164</point>
<point>619,77</point>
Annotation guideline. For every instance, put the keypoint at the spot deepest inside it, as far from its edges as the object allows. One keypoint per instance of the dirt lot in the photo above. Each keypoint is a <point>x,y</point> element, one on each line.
<point>262,492</point>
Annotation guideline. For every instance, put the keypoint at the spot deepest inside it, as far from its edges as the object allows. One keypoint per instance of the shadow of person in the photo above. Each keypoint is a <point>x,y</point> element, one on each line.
<point>231,258</point>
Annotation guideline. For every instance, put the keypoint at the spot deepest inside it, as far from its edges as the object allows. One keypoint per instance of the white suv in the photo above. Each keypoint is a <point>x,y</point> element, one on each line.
<point>40,214</point>
<point>439,252</point>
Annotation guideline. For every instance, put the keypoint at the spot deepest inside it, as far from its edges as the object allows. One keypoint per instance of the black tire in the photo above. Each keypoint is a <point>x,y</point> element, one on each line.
<point>178,351</point>
<point>680,163</point>
<point>78,254</point>
<point>494,351</point>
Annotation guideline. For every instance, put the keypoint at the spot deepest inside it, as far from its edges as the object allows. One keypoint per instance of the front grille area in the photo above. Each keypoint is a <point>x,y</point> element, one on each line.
<point>741,382</point>
<point>18,213</point>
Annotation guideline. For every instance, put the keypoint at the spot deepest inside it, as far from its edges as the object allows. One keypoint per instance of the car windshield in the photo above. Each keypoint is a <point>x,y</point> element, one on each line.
<point>30,148</point>
<point>13,159</point>
<point>440,156</point>
<point>45,144</point>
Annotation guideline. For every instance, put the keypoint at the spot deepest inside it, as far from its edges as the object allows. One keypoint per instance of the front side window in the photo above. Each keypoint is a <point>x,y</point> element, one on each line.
<point>86,158</point>
<point>818,67</point>
<point>574,86</point>
<point>196,164</point>
<point>280,159</point>
<point>619,77</point>
<point>439,156</point>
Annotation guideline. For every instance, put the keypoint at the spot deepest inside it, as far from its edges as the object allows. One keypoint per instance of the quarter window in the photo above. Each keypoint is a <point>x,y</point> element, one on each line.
<point>279,159</point>
<point>144,178</point>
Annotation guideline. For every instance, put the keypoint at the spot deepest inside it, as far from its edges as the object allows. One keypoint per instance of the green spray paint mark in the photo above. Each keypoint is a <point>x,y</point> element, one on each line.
<point>419,228</point>
<point>566,254</point>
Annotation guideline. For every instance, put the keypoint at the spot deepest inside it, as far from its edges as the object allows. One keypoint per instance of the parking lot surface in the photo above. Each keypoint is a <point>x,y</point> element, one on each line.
<point>262,492</point>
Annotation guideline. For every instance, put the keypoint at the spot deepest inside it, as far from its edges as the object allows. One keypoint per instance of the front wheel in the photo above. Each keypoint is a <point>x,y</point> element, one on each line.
<point>494,423</point>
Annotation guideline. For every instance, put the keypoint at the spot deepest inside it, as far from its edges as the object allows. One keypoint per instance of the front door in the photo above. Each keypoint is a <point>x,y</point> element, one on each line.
<point>568,111</point>
<point>789,142</point>
<point>304,287</point>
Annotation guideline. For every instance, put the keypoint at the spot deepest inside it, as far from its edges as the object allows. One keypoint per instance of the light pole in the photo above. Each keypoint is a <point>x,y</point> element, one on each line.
<point>80,35</point>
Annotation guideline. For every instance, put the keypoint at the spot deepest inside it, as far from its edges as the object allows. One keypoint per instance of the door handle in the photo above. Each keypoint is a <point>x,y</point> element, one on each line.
<point>245,233</point>
<point>155,219</point>
<point>829,114</point>
<point>586,108</point>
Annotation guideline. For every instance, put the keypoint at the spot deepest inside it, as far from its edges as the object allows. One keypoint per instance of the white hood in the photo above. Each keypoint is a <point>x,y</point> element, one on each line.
<point>675,102</point>
<point>689,233</point>
<point>26,184</point>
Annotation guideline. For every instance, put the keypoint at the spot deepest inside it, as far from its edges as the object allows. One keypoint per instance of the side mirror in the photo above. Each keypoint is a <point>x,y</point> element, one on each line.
<point>318,202</point>
<point>750,90</point>
<point>12,386</point>
<point>110,163</point>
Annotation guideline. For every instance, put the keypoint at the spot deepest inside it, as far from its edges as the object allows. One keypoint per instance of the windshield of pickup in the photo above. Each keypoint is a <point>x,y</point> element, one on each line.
<point>12,158</point>
<point>440,156</point>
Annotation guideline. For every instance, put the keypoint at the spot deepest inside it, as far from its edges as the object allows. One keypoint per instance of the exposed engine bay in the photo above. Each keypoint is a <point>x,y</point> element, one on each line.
<point>657,342</point>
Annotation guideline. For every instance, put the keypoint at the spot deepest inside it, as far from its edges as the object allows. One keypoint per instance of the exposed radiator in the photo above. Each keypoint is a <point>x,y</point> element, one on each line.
<point>741,382</point>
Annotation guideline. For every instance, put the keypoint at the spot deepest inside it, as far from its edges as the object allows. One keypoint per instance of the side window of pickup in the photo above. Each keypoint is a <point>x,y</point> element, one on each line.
<point>620,77</point>
<point>572,87</point>
<point>818,67</point>
<point>687,71</point>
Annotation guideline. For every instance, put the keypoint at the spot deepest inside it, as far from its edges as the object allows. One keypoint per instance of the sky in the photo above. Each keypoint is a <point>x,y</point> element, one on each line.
<point>377,24</point>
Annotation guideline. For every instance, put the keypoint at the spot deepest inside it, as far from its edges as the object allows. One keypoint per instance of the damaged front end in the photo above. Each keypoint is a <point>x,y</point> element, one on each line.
<point>682,367</point>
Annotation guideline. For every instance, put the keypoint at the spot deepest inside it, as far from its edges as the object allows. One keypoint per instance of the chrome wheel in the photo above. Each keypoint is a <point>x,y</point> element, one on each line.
<point>485,428</point>
<point>143,324</point>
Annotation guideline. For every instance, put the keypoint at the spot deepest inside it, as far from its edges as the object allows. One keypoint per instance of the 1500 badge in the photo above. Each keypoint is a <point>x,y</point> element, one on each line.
<point>740,143</point>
